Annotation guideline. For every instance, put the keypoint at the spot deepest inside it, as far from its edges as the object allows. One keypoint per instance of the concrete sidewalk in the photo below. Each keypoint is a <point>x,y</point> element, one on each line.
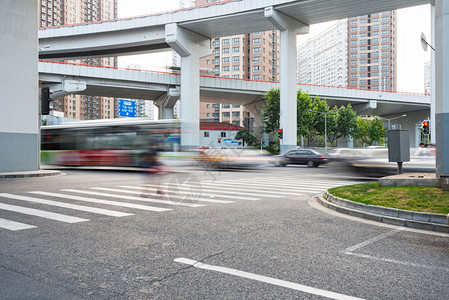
<point>27,174</point>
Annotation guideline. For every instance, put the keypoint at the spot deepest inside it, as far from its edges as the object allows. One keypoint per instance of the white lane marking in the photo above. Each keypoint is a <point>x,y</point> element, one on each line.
<point>350,251</point>
<point>101,201</point>
<point>261,189</point>
<point>41,213</point>
<point>67,205</point>
<point>214,195</point>
<point>266,279</point>
<point>405,263</point>
<point>11,225</point>
<point>275,186</point>
<point>173,196</point>
<point>372,240</point>
<point>132,198</point>
<point>233,190</point>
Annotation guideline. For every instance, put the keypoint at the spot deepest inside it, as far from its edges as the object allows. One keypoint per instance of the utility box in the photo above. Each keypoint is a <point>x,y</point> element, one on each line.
<point>398,146</point>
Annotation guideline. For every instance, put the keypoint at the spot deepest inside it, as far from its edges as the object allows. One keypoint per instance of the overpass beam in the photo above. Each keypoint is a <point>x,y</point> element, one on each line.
<point>166,102</point>
<point>190,46</point>
<point>289,28</point>
<point>442,86</point>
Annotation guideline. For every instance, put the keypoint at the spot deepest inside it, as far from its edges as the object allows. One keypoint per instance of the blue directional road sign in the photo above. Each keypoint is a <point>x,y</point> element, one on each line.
<point>127,108</point>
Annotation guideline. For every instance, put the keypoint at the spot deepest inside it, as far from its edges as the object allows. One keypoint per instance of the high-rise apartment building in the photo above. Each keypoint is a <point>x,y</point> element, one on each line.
<point>253,56</point>
<point>358,53</point>
<point>427,77</point>
<point>323,59</point>
<point>61,12</point>
<point>372,41</point>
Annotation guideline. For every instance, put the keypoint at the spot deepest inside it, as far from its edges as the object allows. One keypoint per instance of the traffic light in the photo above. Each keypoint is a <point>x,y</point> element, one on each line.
<point>425,127</point>
<point>45,101</point>
<point>219,140</point>
<point>281,133</point>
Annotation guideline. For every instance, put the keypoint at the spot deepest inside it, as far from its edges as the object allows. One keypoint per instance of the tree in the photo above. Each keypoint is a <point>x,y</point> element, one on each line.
<point>246,137</point>
<point>304,116</point>
<point>271,111</point>
<point>369,131</point>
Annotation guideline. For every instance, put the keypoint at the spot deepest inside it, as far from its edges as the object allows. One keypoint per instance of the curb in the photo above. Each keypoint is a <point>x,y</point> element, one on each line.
<point>392,216</point>
<point>28,174</point>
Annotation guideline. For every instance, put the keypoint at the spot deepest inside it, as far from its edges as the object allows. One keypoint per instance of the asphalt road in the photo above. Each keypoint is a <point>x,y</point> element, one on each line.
<point>244,234</point>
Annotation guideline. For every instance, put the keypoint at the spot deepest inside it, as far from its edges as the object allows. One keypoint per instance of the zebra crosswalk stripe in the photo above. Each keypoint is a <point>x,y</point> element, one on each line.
<point>67,205</point>
<point>208,194</point>
<point>275,186</point>
<point>131,197</point>
<point>101,201</point>
<point>260,189</point>
<point>11,225</point>
<point>42,213</point>
<point>172,196</point>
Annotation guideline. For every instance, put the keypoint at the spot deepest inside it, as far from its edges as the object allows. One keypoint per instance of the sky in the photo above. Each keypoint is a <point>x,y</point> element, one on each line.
<point>410,58</point>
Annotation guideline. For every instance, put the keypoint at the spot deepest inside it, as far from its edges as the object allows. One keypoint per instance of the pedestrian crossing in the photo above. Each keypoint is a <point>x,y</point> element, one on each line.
<point>108,201</point>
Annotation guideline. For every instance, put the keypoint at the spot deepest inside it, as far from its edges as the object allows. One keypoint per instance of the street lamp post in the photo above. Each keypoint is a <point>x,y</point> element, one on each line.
<point>389,123</point>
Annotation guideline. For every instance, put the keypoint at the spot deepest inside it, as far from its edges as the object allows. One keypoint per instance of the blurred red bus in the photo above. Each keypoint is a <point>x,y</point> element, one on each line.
<point>117,142</point>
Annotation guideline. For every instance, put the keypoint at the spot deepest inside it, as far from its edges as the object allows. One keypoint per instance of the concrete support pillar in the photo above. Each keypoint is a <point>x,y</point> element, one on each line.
<point>289,28</point>
<point>190,47</point>
<point>19,96</point>
<point>442,86</point>
<point>166,102</point>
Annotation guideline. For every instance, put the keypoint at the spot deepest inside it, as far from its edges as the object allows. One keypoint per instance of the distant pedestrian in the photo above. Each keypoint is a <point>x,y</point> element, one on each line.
<point>154,170</point>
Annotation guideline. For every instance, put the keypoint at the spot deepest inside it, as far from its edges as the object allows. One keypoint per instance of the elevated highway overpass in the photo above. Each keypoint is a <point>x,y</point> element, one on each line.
<point>147,85</point>
<point>188,32</point>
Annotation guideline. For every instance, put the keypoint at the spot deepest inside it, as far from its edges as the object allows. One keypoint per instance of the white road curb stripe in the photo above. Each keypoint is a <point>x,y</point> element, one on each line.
<point>270,280</point>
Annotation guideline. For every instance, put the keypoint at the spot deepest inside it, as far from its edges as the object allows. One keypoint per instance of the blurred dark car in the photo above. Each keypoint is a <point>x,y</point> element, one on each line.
<point>307,157</point>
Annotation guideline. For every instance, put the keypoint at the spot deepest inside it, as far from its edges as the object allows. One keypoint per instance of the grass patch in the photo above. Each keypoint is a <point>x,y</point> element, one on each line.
<point>421,199</point>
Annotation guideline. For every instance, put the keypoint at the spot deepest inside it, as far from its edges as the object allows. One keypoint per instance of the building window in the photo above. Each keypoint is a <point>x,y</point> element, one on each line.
<point>362,81</point>
<point>256,41</point>
<point>362,35</point>
<point>225,69</point>
<point>375,20</point>
<point>236,68</point>
<point>216,52</point>
<point>256,77</point>
<point>353,69</point>
<point>375,33</point>
<point>206,133</point>
<point>236,114</point>
<point>256,59</point>
<point>225,42</point>
<point>384,19</point>
<point>225,51</point>
<point>353,75</point>
<point>223,134</point>
<point>353,22</point>
<point>384,32</point>
<point>236,76</point>
<point>236,40</point>
<point>216,61</point>
<point>256,50</point>
<point>353,49</point>
<point>225,115</point>
<point>353,42</point>
<point>363,68</point>
<point>362,48</point>
<point>375,27</point>
<point>353,29</point>
<point>256,33</point>
<point>384,46</point>
<point>216,44</point>
<point>236,59</point>
<point>235,49</point>
<point>362,28</point>
<point>353,36</point>
<point>353,82</point>
<point>256,68</point>
<point>225,60</point>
